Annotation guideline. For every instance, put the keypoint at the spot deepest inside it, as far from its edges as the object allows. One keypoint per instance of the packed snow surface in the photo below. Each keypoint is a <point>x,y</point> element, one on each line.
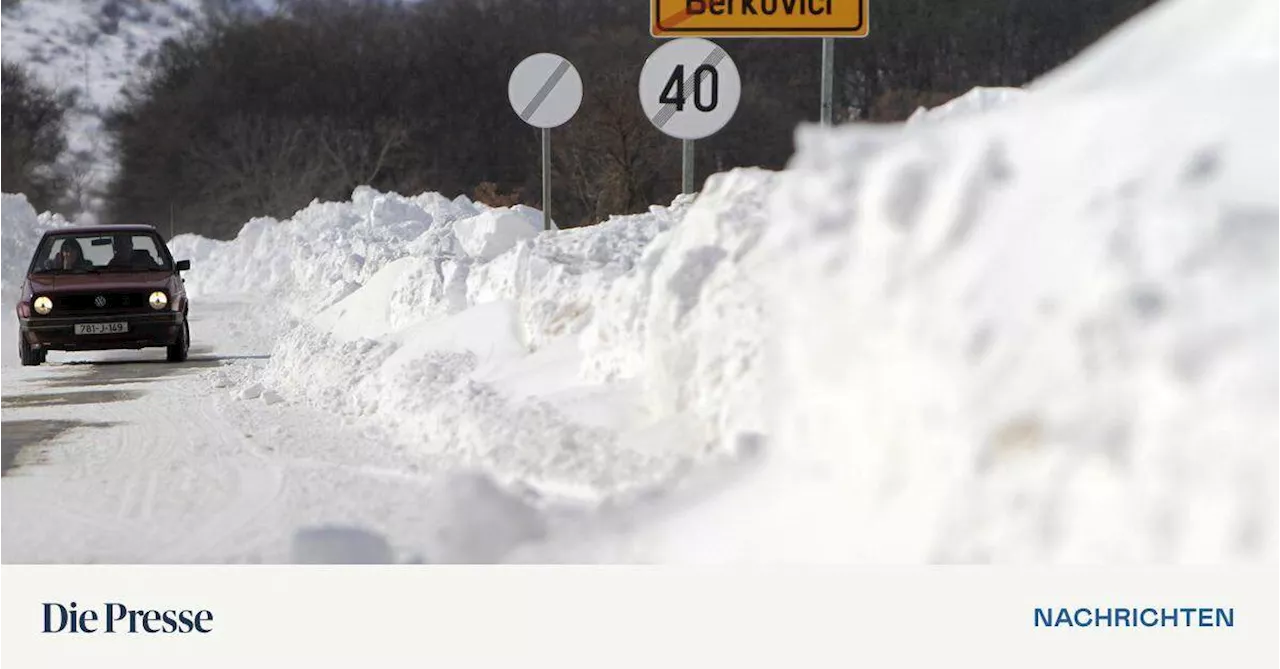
<point>1044,330</point>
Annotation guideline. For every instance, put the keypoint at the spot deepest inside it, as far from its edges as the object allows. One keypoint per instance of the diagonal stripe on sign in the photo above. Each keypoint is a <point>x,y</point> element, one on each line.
<point>668,110</point>
<point>675,19</point>
<point>545,91</point>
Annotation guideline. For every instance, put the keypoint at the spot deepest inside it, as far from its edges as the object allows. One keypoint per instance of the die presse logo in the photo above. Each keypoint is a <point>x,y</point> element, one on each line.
<point>115,618</point>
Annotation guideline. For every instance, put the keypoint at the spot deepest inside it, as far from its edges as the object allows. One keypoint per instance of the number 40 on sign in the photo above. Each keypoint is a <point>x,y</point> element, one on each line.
<point>705,78</point>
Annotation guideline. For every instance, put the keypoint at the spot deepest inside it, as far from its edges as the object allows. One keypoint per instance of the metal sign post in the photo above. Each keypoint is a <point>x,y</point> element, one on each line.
<point>689,89</point>
<point>546,178</point>
<point>828,77</point>
<point>686,166</point>
<point>545,90</point>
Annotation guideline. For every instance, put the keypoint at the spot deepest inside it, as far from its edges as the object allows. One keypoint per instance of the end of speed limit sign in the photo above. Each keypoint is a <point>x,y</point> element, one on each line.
<point>690,88</point>
<point>545,90</point>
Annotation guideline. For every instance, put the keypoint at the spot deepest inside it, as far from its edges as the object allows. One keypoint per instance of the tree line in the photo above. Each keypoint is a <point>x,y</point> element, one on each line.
<point>32,119</point>
<point>245,117</point>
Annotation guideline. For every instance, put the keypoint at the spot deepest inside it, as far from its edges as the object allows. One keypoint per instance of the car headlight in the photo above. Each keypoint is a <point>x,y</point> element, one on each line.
<point>158,300</point>
<point>43,305</point>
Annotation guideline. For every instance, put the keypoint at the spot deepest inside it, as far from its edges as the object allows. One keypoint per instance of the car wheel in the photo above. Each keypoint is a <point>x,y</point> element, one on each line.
<point>177,352</point>
<point>30,357</point>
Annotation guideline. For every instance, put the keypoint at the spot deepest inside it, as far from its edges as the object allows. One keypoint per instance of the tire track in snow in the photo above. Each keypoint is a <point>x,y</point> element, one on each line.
<point>161,478</point>
<point>183,472</point>
<point>258,486</point>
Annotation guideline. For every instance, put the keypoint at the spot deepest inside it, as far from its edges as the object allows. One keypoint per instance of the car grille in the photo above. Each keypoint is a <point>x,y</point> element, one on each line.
<point>111,302</point>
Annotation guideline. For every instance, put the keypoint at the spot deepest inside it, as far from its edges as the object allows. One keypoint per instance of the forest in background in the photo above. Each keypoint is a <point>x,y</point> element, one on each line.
<point>250,116</point>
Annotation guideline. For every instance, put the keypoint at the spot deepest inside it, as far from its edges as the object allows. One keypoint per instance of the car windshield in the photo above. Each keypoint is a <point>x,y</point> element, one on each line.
<point>102,252</point>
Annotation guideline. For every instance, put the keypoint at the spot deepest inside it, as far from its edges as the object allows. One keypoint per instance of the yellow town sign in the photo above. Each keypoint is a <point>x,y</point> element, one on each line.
<point>759,18</point>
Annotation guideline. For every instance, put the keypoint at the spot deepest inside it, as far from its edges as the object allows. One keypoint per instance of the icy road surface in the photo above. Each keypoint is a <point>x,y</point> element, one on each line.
<point>122,457</point>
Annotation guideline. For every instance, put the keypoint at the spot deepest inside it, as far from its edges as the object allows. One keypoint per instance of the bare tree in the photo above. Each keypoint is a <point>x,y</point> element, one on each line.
<point>33,138</point>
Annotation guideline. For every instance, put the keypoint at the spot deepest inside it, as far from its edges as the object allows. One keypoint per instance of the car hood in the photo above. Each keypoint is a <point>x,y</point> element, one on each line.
<point>105,281</point>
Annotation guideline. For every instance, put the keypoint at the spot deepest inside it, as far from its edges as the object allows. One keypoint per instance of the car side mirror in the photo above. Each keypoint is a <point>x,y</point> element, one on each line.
<point>183,265</point>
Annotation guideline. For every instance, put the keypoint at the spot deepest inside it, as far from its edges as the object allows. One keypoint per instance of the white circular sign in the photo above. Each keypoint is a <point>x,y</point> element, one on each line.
<point>545,90</point>
<point>690,88</point>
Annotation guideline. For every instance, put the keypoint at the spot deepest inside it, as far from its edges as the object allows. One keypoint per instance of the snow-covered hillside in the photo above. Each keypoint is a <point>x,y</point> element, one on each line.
<point>92,48</point>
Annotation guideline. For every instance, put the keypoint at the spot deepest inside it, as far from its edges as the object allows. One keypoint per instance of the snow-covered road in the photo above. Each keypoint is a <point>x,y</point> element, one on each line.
<point>121,457</point>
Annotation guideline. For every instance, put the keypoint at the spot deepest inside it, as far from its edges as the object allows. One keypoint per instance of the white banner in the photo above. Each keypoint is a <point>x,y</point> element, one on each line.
<point>652,617</point>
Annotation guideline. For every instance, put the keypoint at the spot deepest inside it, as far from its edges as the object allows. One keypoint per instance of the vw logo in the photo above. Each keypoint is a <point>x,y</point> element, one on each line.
<point>99,301</point>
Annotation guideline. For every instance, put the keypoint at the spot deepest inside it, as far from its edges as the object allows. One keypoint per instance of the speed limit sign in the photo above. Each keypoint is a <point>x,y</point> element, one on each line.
<point>690,88</point>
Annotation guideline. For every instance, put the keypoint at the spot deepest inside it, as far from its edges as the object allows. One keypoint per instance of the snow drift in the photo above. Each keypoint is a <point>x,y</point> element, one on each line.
<point>458,328</point>
<point>20,231</point>
<point>1042,333</point>
<point>1044,330</point>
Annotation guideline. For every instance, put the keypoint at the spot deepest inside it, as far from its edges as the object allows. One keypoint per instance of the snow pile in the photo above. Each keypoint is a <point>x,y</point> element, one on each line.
<point>383,261</point>
<point>599,359</point>
<point>687,322</point>
<point>492,233</point>
<point>478,360</point>
<point>460,328</point>
<point>979,100</point>
<point>326,250</point>
<point>1043,334</point>
<point>21,231</point>
<point>1041,331</point>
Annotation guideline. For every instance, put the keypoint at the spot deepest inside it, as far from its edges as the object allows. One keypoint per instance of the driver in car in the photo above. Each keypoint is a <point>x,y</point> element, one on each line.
<point>71,256</point>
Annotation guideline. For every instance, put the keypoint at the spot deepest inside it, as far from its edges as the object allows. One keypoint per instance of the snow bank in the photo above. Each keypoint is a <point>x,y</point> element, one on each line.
<point>1044,330</point>
<point>325,251</point>
<point>1047,333</point>
<point>1041,335</point>
<point>20,230</point>
<point>688,320</point>
<point>452,325</point>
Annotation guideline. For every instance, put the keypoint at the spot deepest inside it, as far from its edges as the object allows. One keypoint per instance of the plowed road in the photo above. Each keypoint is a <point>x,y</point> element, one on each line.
<point>122,457</point>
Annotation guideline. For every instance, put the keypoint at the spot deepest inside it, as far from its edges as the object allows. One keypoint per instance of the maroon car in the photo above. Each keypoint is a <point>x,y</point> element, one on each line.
<point>103,287</point>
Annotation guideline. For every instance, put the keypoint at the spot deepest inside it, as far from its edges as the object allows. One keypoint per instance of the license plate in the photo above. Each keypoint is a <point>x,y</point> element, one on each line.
<point>101,328</point>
